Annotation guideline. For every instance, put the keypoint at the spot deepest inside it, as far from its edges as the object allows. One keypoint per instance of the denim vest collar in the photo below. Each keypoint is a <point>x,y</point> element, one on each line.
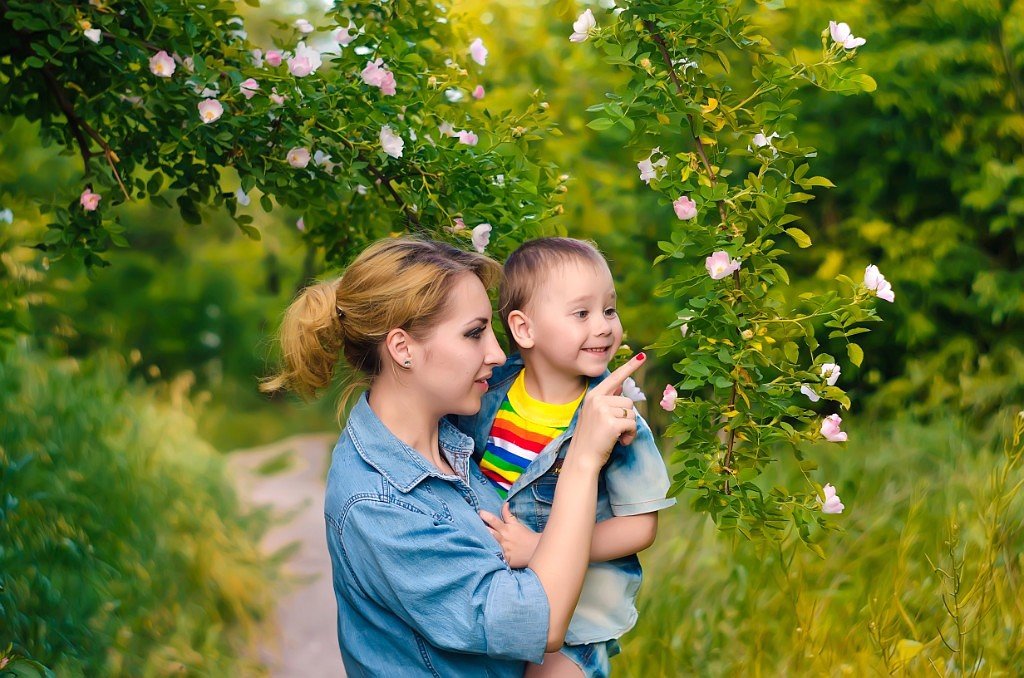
<point>401,465</point>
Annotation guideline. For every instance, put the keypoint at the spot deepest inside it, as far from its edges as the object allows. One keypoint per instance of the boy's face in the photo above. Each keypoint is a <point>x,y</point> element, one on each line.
<point>572,322</point>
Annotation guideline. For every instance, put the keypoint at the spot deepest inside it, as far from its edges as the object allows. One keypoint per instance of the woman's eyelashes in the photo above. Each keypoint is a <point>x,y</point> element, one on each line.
<point>477,332</point>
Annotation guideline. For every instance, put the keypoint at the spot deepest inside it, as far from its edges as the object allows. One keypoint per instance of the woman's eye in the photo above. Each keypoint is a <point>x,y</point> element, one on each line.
<point>477,333</point>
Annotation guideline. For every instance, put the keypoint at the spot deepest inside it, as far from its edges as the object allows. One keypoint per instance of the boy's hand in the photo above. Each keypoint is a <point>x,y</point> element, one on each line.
<point>518,542</point>
<point>606,417</point>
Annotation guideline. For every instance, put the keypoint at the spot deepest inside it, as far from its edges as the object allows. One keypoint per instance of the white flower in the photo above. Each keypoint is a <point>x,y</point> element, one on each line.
<point>875,281</point>
<point>478,52</point>
<point>304,26</point>
<point>6,215</point>
<point>93,34</point>
<point>649,169</point>
<point>323,160</point>
<point>298,157</point>
<point>842,35</point>
<point>391,143</point>
<point>454,95</point>
<point>809,392</point>
<point>481,236</point>
<point>831,504</point>
<point>305,61</point>
<point>242,197</point>
<point>632,391</point>
<point>830,373</point>
<point>583,26</point>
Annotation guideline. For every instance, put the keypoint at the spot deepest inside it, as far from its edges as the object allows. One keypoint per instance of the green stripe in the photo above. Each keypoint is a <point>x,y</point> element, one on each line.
<point>498,462</point>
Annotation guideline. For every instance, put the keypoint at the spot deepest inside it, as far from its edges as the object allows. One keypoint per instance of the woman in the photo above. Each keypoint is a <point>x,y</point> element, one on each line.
<point>421,585</point>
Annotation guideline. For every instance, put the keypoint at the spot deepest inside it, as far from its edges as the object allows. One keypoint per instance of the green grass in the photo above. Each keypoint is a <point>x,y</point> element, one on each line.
<point>923,579</point>
<point>122,547</point>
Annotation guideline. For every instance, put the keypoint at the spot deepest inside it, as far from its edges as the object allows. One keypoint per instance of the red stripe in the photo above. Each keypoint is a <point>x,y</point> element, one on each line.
<point>528,440</point>
<point>494,477</point>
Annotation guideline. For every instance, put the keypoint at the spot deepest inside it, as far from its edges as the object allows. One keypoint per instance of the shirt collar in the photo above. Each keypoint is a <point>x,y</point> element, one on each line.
<point>403,466</point>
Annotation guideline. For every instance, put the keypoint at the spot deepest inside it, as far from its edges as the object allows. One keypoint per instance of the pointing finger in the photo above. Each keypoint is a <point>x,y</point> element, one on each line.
<point>614,381</point>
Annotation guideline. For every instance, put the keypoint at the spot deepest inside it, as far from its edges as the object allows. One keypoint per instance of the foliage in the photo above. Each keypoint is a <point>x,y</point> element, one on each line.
<point>123,548</point>
<point>927,503</point>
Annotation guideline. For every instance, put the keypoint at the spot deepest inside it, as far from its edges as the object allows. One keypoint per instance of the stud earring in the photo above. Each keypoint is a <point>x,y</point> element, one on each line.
<point>407,364</point>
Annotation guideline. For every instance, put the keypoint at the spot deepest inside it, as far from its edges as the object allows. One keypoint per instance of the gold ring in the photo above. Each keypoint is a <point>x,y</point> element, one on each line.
<point>625,413</point>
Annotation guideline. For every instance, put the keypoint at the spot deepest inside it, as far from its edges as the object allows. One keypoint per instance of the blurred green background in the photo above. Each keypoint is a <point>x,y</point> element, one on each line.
<point>160,354</point>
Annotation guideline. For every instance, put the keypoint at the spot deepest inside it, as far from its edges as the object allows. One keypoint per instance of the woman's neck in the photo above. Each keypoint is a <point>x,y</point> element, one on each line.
<point>409,420</point>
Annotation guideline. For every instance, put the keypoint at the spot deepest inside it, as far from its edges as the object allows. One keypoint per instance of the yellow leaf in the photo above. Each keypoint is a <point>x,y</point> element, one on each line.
<point>711,105</point>
<point>907,649</point>
<point>663,119</point>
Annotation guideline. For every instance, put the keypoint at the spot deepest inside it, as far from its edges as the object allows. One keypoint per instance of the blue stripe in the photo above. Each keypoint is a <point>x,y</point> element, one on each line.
<point>506,455</point>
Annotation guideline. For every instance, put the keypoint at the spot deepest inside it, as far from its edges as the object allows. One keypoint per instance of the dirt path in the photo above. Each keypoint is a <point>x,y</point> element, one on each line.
<point>288,476</point>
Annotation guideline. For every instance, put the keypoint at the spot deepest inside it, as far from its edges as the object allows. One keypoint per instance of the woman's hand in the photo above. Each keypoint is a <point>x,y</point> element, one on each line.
<point>517,541</point>
<point>605,417</point>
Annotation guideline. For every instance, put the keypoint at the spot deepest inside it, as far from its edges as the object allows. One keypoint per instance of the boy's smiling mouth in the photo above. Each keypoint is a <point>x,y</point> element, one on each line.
<point>596,350</point>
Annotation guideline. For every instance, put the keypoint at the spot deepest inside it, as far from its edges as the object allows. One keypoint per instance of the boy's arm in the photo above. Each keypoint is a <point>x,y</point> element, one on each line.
<point>623,536</point>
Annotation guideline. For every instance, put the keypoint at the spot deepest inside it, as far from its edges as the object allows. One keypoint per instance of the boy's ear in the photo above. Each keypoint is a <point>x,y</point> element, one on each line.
<point>397,346</point>
<point>519,327</point>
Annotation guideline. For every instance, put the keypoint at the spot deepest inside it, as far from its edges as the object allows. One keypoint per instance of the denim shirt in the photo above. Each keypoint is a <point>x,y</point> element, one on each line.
<point>421,585</point>
<point>634,481</point>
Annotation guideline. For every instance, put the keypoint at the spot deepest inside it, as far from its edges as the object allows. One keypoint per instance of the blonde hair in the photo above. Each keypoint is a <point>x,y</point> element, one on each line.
<point>526,270</point>
<point>395,283</point>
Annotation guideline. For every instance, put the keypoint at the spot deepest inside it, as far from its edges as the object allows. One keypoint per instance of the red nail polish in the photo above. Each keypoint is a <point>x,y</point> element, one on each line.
<point>641,357</point>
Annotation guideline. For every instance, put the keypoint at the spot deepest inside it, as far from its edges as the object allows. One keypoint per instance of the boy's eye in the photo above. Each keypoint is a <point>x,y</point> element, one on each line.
<point>581,314</point>
<point>610,312</point>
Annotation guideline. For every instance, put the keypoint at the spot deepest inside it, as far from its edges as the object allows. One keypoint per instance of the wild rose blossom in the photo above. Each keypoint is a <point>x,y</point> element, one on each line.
<point>831,503</point>
<point>649,168</point>
<point>875,281</point>
<point>458,225</point>
<point>275,97</point>
<point>719,265</point>
<point>454,95</point>
<point>249,87</point>
<point>162,65</point>
<point>89,200</point>
<point>257,58</point>
<point>809,392</point>
<point>273,57</point>
<point>391,143</point>
<point>210,110</point>
<point>668,398</point>
<point>376,74</point>
<point>685,327</point>
<point>343,36</point>
<point>685,208</point>
<point>830,373</point>
<point>304,26</point>
<point>446,128</point>
<point>322,159</point>
<point>481,236</point>
<point>583,26</point>
<point>632,391</point>
<point>830,429</point>
<point>298,157</point>
<point>301,225</point>
<point>305,61</point>
<point>468,138</point>
<point>478,92</point>
<point>842,35</point>
<point>93,34</point>
<point>477,52</point>
<point>242,197</point>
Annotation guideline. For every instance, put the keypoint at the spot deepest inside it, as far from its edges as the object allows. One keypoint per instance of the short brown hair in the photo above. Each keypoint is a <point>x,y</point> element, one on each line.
<point>526,270</point>
<point>400,282</point>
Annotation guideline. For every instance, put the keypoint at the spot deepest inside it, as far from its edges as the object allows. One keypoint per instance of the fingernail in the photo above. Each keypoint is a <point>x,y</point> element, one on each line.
<point>641,357</point>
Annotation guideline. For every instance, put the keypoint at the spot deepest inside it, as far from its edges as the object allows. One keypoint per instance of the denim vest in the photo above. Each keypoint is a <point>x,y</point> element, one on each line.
<point>422,587</point>
<point>634,481</point>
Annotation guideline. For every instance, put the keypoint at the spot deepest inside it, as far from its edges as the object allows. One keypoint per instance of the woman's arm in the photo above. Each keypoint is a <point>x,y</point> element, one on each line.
<point>623,536</point>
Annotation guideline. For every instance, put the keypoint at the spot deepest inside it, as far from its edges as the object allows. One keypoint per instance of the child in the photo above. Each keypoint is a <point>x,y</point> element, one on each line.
<point>557,303</point>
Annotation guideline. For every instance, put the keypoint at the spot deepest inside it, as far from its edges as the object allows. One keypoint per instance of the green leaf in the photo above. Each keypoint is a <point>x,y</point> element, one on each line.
<point>802,239</point>
<point>792,351</point>
<point>600,124</point>
<point>855,353</point>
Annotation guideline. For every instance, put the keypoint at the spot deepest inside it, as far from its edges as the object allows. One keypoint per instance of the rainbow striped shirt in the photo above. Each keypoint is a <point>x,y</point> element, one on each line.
<point>521,430</point>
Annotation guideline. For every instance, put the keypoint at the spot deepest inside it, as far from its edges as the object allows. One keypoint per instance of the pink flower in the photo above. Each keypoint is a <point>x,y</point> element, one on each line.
<point>162,65</point>
<point>478,52</point>
<point>277,98</point>
<point>875,281</point>
<point>446,129</point>
<point>478,93</point>
<point>257,58</point>
<point>719,265</point>
<point>481,236</point>
<point>273,57</point>
<point>343,36</point>
<point>304,26</point>
<point>301,224</point>
<point>831,503</point>
<point>210,110</point>
<point>89,200</point>
<point>391,143</point>
<point>377,74</point>
<point>842,35</point>
<point>467,137</point>
<point>305,61</point>
<point>685,208</point>
<point>830,429</point>
<point>668,398</point>
<point>583,26</point>
<point>249,88</point>
<point>298,157</point>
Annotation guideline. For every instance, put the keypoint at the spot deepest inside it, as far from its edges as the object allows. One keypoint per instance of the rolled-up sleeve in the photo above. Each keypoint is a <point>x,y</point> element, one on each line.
<point>636,477</point>
<point>447,583</point>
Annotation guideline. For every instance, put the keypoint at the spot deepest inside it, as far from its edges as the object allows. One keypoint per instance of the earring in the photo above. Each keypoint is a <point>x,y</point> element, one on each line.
<point>407,364</point>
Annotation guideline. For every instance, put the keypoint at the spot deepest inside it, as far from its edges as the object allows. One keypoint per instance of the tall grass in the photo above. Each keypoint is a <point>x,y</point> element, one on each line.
<point>122,550</point>
<point>925,577</point>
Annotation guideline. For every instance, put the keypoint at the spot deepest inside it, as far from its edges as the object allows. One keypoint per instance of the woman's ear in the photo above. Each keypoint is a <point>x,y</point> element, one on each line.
<point>519,327</point>
<point>398,345</point>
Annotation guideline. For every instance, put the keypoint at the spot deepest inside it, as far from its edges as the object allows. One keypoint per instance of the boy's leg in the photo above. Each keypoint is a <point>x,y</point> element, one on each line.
<point>556,665</point>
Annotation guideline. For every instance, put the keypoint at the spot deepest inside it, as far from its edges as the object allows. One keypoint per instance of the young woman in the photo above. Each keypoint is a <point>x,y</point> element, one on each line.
<point>421,585</point>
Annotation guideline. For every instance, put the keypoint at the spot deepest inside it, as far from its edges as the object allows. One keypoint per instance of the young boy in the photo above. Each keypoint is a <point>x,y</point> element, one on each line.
<point>557,303</point>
